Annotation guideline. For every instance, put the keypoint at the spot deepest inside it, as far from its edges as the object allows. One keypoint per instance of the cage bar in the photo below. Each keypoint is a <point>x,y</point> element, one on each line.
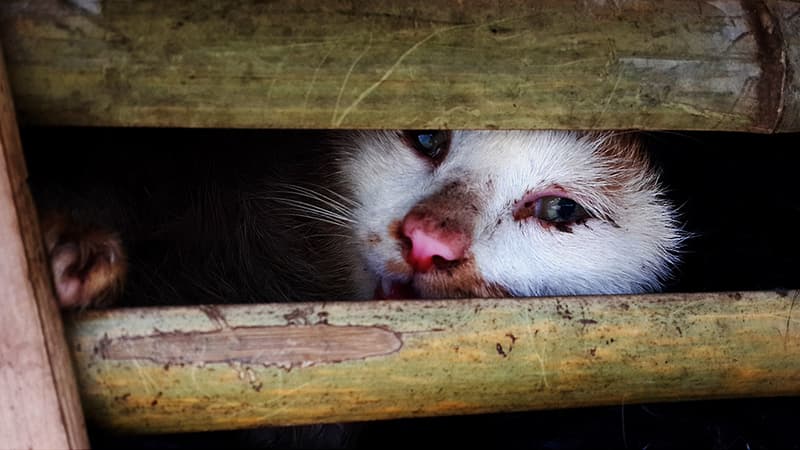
<point>225,367</point>
<point>575,64</point>
<point>39,402</point>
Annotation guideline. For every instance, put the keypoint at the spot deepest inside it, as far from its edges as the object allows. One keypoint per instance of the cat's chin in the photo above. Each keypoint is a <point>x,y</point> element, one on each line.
<point>461,283</point>
<point>388,289</point>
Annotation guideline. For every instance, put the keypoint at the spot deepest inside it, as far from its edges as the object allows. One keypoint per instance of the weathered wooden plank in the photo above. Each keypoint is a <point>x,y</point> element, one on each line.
<point>788,14</point>
<point>717,65</point>
<point>39,403</point>
<point>184,369</point>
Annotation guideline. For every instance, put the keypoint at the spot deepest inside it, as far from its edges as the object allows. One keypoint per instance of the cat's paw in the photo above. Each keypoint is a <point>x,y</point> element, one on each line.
<point>88,263</point>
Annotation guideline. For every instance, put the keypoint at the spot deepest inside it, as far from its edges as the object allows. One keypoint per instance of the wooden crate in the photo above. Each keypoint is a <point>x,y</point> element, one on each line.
<point>725,65</point>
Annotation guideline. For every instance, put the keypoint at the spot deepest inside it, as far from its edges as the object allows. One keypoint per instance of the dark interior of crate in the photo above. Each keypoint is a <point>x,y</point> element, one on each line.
<point>737,194</point>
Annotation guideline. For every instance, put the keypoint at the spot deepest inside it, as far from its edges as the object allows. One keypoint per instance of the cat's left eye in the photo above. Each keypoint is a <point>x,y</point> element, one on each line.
<point>559,210</point>
<point>430,144</point>
<point>551,209</point>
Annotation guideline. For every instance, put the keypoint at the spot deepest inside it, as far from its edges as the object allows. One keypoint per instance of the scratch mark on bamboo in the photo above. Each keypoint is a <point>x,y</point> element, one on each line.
<point>314,77</point>
<point>610,96</point>
<point>388,73</point>
<point>277,405</point>
<point>347,78</point>
<point>575,62</point>
<point>748,87</point>
<point>278,69</point>
<point>149,387</point>
<point>441,119</point>
<point>542,369</point>
<point>789,321</point>
<point>691,109</point>
<point>193,377</point>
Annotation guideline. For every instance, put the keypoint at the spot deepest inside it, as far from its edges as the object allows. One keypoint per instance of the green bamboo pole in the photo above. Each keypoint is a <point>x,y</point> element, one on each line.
<point>224,367</point>
<point>722,65</point>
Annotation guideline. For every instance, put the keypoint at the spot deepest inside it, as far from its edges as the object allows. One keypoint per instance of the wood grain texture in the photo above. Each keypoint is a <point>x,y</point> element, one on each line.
<point>788,14</point>
<point>649,64</point>
<point>39,403</point>
<point>161,370</point>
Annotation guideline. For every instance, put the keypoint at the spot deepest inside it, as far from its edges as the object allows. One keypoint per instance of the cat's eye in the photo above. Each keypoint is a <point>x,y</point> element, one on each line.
<point>430,144</point>
<point>559,210</point>
<point>553,209</point>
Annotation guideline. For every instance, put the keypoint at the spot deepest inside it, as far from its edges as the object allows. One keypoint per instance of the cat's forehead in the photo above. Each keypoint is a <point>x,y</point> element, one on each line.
<point>590,159</point>
<point>548,149</point>
<point>517,148</point>
<point>586,163</point>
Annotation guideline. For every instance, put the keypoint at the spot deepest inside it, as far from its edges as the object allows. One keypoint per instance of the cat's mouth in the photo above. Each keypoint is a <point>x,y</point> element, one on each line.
<point>389,289</point>
<point>460,282</point>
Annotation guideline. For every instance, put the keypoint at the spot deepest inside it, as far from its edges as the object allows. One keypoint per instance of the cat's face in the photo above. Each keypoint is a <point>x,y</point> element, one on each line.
<point>506,213</point>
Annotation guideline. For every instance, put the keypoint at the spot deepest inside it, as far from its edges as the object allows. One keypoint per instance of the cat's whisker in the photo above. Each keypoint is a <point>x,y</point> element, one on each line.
<point>318,196</point>
<point>352,202</point>
<point>317,218</point>
<point>316,192</point>
<point>312,210</point>
<point>327,202</point>
<point>290,210</point>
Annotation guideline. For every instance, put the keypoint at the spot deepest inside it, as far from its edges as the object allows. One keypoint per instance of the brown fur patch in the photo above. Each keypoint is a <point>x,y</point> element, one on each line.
<point>397,267</point>
<point>395,229</point>
<point>523,211</point>
<point>626,165</point>
<point>462,281</point>
<point>625,158</point>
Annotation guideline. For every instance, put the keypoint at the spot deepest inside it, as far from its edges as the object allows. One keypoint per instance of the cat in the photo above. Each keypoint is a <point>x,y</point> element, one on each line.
<point>382,215</point>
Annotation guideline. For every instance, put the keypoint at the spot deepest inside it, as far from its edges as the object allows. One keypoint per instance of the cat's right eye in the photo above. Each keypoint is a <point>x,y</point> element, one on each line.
<point>430,144</point>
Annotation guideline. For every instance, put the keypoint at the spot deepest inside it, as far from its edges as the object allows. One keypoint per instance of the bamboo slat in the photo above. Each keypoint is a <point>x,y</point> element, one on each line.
<point>39,403</point>
<point>215,367</point>
<point>576,64</point>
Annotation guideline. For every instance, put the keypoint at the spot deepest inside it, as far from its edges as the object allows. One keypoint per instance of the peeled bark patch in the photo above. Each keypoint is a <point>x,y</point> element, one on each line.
<point>282,346</point>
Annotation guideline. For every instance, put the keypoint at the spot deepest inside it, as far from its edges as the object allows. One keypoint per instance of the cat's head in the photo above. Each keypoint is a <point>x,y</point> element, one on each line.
<point>506,213</point>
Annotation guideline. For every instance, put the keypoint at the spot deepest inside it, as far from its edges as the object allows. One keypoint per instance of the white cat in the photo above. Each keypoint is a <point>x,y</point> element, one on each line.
<point>516,213</point>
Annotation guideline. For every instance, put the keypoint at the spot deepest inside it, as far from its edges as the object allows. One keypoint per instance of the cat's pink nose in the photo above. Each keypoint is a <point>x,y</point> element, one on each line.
<point>429,241</point>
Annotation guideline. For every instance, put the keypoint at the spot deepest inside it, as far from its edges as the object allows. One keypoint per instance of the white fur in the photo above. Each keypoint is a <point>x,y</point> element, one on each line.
<point>632,252</point>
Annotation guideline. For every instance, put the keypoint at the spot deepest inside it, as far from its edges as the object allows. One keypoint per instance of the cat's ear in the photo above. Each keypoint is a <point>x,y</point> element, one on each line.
<point>87,262</point>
